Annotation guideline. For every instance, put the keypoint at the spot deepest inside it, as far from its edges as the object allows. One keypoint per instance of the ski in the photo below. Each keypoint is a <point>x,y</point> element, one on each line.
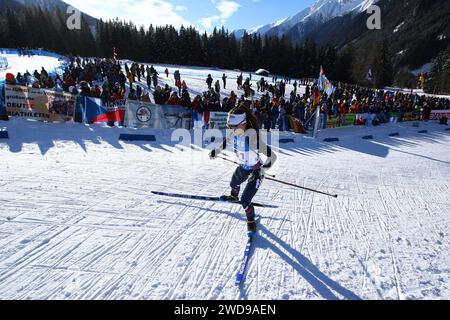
<point>206,198</point>
<point>240,277</point>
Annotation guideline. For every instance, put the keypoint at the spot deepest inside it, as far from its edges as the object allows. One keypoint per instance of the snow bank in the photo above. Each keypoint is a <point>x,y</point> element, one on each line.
<point>78,221</point>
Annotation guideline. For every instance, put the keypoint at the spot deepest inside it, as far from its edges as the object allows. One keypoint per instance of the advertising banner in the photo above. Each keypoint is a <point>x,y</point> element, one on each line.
<point>177,117</point>
<point>438,114</point>
<point>218,120</point>
<point>144,115</point>
<point>409,116</point>
<point>350,119</point>
<point>39,104</point>
<point>332,122</point>
<point>154,116</point>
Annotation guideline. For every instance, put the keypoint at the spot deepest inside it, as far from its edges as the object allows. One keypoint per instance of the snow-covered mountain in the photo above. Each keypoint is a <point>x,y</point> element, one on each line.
<point>45,4</point>
<point>320,12</point>
<point>50,5</point>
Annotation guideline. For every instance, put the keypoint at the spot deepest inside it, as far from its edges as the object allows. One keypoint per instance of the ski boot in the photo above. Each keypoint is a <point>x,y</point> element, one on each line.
<point>233,197</point>
<point>251,228</point>
<point>252,220</point>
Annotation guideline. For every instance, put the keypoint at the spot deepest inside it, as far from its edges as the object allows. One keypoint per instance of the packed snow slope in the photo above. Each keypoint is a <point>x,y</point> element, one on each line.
<point>195,77</point>
<point>78,220</point>
<point>23,63</point>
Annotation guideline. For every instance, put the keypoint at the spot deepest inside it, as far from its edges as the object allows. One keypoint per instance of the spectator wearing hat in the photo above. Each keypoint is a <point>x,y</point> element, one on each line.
<point>158,96</point>
<point>10,79</point>
<point>174,100</point>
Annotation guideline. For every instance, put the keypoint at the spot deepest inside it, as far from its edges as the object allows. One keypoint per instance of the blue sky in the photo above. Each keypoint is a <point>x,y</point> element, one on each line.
<point>202,14</point>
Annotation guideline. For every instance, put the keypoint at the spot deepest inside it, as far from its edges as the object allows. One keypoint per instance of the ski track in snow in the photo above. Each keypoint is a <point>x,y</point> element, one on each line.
<point>78,221</point>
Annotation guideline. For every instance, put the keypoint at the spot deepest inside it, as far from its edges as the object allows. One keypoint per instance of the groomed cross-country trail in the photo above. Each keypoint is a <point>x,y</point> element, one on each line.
<point>78,219</point>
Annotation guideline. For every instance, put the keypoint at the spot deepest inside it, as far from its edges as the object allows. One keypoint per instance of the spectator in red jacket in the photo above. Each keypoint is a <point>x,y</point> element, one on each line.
<point>195,105</point>
<point>118,93</point>
<point>178,85</point>
<point>354,107</point>
<point>98,92</point>
<point>233,97</point>
<point>174,100</point>
<point>69,81</point>
<point>342,112</point>
<point>275,101</point>
<point>343,108</point>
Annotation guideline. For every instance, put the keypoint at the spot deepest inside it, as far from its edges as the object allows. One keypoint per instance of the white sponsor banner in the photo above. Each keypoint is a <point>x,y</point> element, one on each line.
<point>362,116</point>
<point>177,117</point>
<point>438,114</point>
<point>144,115</point>
<point>218,120</point>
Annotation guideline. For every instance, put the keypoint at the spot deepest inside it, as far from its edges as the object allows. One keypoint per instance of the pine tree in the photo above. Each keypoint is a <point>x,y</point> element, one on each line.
<point>207,55</point>
<point>344,64</point>
<point>382,67</point>
<point>163,44</point>
<point>5,31</point>
<point>327,59</point>
<point>246,51</point>
<point>310,52</point>
<point>439,79</point>
<point>14,32</point>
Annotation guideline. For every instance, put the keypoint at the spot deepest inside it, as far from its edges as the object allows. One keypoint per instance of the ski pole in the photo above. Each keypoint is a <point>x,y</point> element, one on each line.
<point>300,187</point>
<point>229,160</point>
<point>271,178</point>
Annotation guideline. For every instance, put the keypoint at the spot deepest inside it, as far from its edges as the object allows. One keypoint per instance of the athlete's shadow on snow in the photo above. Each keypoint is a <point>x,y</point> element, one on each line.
<point>324,285</point>
<point>237,214</point>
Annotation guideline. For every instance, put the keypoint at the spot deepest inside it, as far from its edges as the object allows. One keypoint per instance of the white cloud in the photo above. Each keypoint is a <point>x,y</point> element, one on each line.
<point>208,21</point>
<point>140,12</point>
<point>180,8</point>
<point>226,10</point>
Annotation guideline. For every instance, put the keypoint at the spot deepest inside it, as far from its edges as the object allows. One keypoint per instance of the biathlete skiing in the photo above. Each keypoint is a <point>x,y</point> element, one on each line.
<point>248,147</point>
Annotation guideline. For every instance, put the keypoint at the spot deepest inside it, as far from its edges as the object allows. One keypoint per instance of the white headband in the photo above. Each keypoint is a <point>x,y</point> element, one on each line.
<point>236,119</point>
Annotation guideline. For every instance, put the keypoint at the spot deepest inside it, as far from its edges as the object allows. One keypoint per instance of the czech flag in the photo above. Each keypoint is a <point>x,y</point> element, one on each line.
<point>94,111</point>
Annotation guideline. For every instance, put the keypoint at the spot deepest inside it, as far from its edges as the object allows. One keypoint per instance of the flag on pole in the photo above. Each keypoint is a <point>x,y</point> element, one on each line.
<point>369,76</point>
<point>421,80</point>
<point>325,84</point>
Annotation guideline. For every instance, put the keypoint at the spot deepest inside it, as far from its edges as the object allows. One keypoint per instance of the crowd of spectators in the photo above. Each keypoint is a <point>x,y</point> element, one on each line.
<point>108,80</point>
<point>382,104</point>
